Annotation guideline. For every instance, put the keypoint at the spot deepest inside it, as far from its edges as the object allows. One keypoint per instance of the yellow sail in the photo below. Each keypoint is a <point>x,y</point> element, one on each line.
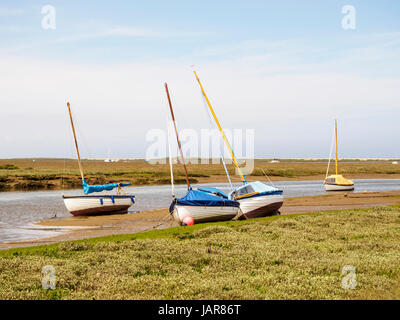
<point>220,129</point>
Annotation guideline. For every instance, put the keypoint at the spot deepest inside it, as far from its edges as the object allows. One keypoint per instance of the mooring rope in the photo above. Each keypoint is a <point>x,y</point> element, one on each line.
<point>160,224</point>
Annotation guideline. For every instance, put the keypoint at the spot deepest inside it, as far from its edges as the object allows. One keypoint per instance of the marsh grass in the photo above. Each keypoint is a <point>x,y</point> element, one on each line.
<point>53,174</point>
<point>280,257</point>
<point>24,174</point>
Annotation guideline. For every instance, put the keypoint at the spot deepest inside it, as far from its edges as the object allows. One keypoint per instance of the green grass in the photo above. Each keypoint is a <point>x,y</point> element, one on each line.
<point>8,166</point>
<point>280,257</point>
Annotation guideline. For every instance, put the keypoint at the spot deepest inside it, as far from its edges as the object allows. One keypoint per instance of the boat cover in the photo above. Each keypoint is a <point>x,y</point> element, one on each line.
<point>263,188</point>
<point>202,198</point>
<point>101,187</point>
<point>254,189</point>
<point>213,190</point>
<point>338,179</point>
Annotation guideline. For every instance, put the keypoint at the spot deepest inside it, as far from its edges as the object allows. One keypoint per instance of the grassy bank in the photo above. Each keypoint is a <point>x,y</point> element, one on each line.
<point>52,174</point>
<point>280,257</point>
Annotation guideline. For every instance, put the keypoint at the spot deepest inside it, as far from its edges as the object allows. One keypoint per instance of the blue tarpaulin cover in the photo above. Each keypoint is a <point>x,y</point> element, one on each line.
<point>201,198</point>
<point>101,187</point>
<point>213,191</point>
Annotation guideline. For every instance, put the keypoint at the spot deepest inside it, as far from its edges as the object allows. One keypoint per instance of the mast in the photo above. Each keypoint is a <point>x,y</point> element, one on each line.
<point>170,161</point>
<point>336,147</point>
<point>177,137</point>
<point>220,129</point>
<point>76,141</point>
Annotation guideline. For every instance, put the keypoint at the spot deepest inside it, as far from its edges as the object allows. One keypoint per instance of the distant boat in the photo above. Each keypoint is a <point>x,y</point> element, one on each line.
<point>256,198</point>
<point>203,204</point>
<point>96,204</point>
<point>337,182</point>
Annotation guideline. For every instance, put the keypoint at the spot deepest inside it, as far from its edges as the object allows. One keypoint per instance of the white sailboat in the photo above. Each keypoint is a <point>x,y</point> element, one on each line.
<point>203,204</point>
<point>256,198</point>
<point>337,182</point>
<point>98,204</point>
<point>85,205</point>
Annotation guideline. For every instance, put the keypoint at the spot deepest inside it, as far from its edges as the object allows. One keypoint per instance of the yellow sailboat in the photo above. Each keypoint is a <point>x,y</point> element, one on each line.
<point>337,182</point>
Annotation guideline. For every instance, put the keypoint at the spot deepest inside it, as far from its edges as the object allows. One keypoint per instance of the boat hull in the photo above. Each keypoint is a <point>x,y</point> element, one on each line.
<point>98,205</point>
<point>202,214</point>
<point>338,187</point>
<point>260,206</point>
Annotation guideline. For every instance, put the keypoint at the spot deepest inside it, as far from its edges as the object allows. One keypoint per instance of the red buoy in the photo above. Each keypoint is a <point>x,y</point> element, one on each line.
<point>187,221</point>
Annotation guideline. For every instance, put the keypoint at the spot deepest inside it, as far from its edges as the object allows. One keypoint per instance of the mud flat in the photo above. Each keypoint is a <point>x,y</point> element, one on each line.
<point>76,228</point>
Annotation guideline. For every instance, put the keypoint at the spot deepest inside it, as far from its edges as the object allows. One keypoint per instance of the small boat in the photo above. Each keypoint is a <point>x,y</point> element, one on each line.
<point>98,204</point>
<point>256,198</point>
<point>337,182</point>
<point>203,204</point>
<point>85,205</point>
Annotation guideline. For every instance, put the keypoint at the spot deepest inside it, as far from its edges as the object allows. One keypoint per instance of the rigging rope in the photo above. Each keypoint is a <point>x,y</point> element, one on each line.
<point>221,146</point>
<point>330,153</point>
<point>170,159</point>
<point>267,177</point>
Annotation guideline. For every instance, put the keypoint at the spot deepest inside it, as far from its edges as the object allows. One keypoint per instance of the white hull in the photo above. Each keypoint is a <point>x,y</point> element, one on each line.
<point>338,187</point>
<point>94,205</point>
<point>260,206</point>
<point>204,213</point>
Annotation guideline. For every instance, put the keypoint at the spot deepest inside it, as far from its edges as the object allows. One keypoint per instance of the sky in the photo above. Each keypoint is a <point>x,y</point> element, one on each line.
<point>285,69</point>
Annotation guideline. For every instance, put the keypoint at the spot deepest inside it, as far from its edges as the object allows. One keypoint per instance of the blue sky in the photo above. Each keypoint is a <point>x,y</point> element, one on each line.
<point>283,68</point>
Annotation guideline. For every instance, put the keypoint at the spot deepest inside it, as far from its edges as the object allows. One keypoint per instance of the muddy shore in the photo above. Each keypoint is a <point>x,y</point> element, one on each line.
<point>75,228</point>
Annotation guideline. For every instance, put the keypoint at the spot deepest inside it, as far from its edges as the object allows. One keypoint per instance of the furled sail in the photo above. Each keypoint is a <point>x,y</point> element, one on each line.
<point>101,187</point>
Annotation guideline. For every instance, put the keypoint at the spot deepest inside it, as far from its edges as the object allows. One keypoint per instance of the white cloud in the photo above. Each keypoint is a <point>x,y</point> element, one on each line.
<point>112,32</point>
<point>243,47</point>
<point>101,31</point>
<point>267,87</point>
<point>7,12</point>
<point>115,105</point>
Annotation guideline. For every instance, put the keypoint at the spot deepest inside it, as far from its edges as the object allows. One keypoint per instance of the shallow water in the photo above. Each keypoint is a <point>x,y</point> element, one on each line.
<point>19,210</point>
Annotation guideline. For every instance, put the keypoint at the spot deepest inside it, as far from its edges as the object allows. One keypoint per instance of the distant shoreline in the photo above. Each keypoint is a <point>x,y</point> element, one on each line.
<point>210,159</point>
<point>62,174</point>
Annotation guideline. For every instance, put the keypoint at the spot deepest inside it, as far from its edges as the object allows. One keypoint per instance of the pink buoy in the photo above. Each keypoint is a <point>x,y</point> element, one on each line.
<point>187,221</point>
